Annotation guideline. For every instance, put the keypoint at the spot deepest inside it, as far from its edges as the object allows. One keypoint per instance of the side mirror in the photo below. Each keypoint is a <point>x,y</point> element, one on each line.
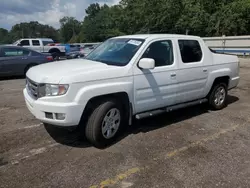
<point>19,44</point>
<point>147,63</point>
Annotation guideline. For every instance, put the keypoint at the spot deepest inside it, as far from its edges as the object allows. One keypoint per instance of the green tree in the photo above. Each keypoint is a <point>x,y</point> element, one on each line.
<point>101,22</point>
<point>32,30</point>
<point>230,19</point>
<point>4,36</point>
<point>70,28</point>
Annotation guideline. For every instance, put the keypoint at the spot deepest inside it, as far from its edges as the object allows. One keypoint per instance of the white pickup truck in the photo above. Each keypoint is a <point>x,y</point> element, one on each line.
<point>41,45</point>
<point>126,77</point>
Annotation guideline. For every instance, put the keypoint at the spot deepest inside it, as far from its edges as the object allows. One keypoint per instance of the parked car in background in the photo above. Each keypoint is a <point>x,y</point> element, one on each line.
<point>71,48</point>
<point>74,55</point>
<point>16,61</point>
<point>43,45</point>
<point>87,48</point>
<point>76,51</point>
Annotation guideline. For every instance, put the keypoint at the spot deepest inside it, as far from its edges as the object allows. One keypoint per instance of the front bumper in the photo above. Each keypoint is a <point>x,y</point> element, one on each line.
<point>38,108</point>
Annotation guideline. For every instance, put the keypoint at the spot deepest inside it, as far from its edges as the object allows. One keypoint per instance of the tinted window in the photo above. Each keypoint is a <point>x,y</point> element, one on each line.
<point>47,42</point>
<point>8,52</point>
<point>25,43</point>
<point>35,43</point>
<point>88,45</point>
<point>190,51</point>
<point>161,52</point>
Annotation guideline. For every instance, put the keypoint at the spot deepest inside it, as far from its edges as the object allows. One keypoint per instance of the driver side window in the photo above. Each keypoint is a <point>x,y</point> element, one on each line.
<point>25,43</point>
<point>161,52</point>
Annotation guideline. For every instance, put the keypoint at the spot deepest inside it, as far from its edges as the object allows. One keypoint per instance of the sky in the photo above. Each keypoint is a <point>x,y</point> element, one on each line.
<point>43,11</point>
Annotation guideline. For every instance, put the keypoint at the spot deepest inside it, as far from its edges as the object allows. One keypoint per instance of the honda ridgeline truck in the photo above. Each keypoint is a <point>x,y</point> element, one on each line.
<point>126,77</point>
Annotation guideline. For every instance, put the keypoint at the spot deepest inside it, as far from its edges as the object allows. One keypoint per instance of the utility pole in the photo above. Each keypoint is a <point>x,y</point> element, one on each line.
<point>74,31</point>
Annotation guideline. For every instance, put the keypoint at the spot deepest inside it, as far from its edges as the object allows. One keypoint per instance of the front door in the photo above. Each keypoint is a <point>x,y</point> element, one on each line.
<point>156,88</point>
<point>192,73</point>
<point>15,60</point>
<point>25,43</point>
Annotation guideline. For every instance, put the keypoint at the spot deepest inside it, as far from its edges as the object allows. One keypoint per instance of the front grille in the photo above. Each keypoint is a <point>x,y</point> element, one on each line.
<point>32,88</point>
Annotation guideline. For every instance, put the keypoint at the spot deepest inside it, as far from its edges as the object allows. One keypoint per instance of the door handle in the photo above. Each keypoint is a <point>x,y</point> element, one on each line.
<point>173,75</point>
<point>204,70</point>
<point>24,58</point>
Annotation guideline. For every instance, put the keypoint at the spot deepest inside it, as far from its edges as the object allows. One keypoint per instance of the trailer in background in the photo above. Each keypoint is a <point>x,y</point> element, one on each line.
<point>238,45</point>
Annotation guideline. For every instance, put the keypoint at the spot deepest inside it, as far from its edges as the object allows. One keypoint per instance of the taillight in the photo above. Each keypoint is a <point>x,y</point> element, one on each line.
<point>51,44</point>
<point>238,67</point>
<point>49,58</point>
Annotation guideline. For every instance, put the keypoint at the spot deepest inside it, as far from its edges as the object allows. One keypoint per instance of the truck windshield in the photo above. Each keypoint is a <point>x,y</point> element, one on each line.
<point>17,42</point>
<point>116,51</point>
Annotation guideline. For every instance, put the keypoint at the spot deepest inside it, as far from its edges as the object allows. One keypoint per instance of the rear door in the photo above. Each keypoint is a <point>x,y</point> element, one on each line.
<point>15,60</point>
<point>191,75</point>
<point>36,45</point>
<point>1,63</point>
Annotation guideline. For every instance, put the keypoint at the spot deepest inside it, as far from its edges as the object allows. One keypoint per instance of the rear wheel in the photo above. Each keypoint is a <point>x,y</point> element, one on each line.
<point>218,96</point>
<point>104,123</point>
<point>55,55</point>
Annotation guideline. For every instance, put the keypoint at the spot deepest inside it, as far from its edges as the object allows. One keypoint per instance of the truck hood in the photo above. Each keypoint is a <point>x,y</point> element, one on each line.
<point>73,71</point>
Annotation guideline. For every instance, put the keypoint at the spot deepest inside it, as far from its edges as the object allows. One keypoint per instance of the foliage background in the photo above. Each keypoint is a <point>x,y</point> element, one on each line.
<point>195,17</point>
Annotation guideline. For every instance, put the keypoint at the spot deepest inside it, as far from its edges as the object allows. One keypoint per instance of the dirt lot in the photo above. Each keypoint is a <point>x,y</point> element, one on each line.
<point>192,147</point>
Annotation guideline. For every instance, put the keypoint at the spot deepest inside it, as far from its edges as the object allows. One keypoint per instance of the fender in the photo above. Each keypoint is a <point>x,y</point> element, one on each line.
<point>216,74</point>
<point>88,92</point>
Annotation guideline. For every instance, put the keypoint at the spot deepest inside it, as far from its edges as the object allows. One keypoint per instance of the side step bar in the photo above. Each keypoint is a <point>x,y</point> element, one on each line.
<point>169,109</point>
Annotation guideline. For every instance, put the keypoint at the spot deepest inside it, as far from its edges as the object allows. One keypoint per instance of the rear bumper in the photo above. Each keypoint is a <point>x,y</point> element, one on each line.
<point>233,82</point>
<point>72,111</point>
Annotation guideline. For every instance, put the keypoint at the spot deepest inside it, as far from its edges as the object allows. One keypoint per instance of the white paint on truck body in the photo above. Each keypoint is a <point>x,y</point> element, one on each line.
<point>147,89</point>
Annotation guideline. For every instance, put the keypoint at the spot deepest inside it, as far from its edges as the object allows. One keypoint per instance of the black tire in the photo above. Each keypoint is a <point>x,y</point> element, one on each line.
<point>55,55</point>
<point>211,98</point>
<point>93,129</point>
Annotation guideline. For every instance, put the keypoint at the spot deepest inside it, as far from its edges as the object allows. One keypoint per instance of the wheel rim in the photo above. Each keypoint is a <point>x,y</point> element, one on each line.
<point>220,95</point>
<point>111,123</point>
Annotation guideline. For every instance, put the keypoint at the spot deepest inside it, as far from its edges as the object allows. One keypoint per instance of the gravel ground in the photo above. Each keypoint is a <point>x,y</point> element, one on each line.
<point>191,147</point>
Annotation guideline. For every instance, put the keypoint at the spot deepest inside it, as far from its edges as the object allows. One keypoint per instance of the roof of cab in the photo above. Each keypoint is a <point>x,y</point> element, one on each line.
<point>156,36</point>
<point>44,39</point>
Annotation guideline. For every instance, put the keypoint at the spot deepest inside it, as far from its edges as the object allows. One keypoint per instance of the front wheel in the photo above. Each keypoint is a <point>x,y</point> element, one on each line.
<point>104,123</point>
<point>218,96</point>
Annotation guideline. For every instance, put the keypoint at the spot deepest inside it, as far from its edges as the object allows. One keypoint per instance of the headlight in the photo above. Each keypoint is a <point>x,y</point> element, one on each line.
<point>53,90</point>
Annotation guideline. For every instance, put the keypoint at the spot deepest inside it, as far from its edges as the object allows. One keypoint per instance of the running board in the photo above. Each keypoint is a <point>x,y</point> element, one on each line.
<point>169,109</point>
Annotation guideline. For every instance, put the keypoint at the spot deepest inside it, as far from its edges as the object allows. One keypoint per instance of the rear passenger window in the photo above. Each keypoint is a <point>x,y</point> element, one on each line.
<point>7,52</point>
<point>35,43</point>
<point>190,51</point>
<point>47,42</point>
<point>161,52</point>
